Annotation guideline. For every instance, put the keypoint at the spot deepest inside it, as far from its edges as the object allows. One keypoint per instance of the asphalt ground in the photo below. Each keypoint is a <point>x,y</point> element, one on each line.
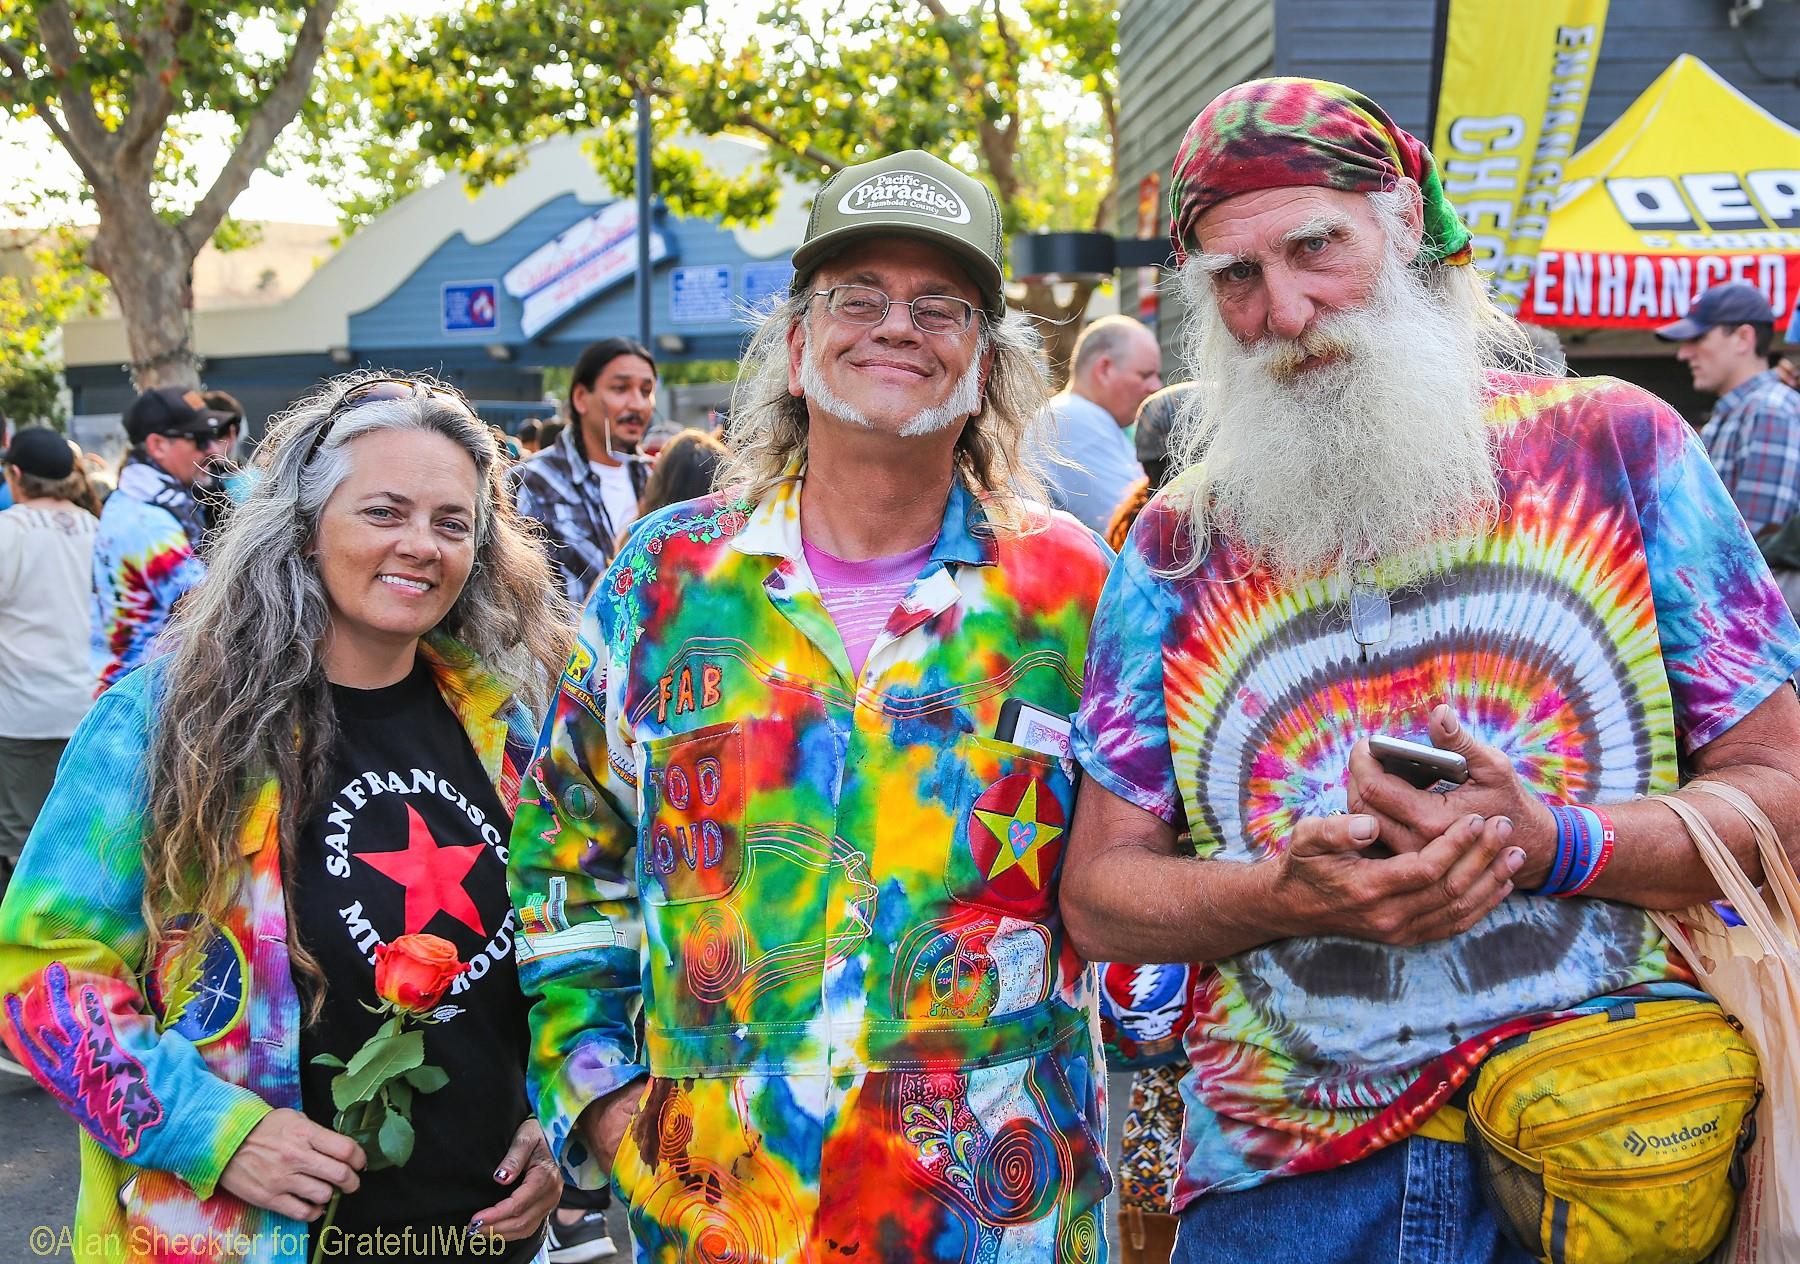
<point>38,1171</point>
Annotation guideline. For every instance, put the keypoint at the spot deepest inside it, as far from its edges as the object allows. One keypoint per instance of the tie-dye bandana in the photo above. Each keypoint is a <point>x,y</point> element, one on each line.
<point>1618,618</point>
<point>865,1034</point>
<point>1303,133</point>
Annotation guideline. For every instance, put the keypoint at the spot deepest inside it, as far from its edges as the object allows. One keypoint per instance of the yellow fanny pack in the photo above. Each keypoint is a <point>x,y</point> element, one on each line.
<point>1616,1138</point>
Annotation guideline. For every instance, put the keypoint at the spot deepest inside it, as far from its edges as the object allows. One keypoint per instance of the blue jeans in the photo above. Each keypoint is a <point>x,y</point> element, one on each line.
<point>1412,1203</point>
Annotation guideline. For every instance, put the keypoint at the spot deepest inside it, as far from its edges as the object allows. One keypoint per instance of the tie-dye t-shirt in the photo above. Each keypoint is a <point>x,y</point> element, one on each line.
<point>1618,617</point>
<point>143,563</point>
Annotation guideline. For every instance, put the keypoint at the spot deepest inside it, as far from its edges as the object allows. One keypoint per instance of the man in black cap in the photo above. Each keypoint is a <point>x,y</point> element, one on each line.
<point>147,552</point>
<point>1753,435</point>
<point>46,541</point>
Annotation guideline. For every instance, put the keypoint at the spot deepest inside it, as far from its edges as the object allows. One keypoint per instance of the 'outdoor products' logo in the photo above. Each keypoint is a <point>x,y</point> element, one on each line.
<point>905,191</point>
<point>1639,1144</point>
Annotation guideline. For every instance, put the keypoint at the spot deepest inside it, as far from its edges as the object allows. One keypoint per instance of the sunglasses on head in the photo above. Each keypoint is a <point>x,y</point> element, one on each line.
<point>380,388</point>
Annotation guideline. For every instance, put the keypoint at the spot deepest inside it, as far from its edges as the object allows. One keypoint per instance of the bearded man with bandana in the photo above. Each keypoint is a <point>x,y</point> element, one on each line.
<point>1376,526</point>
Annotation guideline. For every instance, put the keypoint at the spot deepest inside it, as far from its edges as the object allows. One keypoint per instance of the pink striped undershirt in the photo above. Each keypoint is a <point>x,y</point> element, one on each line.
<point>861,596</point>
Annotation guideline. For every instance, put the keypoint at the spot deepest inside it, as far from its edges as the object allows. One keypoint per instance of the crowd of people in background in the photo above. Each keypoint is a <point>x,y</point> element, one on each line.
<point>369,628</point>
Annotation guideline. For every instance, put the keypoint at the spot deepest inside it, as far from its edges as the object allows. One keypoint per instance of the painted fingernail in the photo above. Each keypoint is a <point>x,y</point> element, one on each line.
<point>1362,827</point>
<point>501,1175</point>
<point>1515,856</point>
<point>475,1224</point>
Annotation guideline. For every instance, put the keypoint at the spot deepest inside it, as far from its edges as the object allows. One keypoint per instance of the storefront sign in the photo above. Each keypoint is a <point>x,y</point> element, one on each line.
<point>469,307</point>
<point>700,296</point>
<point>1512,89</point>
<point>1584,288</point>
<point>1693,186</point>
<point>766,284</point>
<point>593,255</point>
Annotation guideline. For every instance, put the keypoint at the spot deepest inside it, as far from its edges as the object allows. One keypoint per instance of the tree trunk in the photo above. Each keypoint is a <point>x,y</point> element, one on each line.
<point>150,267</point>
<point>1058,324</point>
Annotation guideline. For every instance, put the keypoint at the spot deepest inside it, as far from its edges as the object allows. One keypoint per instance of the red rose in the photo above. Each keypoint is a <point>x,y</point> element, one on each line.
<point>415,971</point>
<point>622,584</point>
<point>733,521</point>
<point>653,545</point>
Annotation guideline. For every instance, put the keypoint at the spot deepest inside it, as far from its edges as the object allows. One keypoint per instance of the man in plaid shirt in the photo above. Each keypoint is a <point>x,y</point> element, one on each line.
<point>1753,435</point>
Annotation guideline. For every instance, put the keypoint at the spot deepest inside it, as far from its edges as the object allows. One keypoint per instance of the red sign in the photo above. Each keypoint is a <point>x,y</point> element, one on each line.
<point>1598,289</point>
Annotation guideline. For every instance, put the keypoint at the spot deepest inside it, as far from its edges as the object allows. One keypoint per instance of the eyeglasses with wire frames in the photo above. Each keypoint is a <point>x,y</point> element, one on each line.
<point>379,388</point>
<point>866,305</point>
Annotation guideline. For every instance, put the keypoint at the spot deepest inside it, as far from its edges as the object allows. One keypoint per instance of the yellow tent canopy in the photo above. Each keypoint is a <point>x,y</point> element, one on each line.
<point>1692,186</point>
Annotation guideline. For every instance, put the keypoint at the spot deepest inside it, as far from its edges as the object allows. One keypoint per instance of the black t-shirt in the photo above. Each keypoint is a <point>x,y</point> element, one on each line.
<point>413,839</point>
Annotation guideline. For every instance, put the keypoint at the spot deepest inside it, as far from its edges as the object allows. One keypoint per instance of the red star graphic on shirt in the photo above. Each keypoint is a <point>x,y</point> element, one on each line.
<point>432,876</point>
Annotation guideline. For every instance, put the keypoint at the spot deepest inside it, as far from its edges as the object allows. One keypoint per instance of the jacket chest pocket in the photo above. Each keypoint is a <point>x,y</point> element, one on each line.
<point>1011,825</point>
<point>691,836</point>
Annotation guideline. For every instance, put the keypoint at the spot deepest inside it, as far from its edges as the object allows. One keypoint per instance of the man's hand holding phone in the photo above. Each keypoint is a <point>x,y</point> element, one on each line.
<point>1329,885</point>
<point>1411,818</point>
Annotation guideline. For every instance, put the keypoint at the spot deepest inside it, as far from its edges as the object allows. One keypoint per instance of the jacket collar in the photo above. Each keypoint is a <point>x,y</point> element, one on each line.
<point>964,535</point>
<point>1735,397</point>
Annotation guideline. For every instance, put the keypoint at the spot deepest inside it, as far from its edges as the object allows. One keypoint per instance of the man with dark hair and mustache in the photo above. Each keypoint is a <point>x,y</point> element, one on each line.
<point>1374,526</point>
<point>584,487</point>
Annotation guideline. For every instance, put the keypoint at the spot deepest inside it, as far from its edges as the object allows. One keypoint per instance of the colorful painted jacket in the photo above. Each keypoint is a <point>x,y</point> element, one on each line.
<point>866,1033</point>
<point>144,560</point>
<point>167,1072</point>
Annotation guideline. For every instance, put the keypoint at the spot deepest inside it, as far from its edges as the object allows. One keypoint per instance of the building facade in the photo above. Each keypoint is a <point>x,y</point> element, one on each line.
<point>485,290</point>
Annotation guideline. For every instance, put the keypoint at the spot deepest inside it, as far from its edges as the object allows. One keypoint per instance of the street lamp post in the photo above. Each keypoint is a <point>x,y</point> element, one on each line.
<point>643,215</point>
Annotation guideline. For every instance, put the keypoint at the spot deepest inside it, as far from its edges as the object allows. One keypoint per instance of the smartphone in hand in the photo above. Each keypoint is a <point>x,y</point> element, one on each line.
<point>1426,767</point>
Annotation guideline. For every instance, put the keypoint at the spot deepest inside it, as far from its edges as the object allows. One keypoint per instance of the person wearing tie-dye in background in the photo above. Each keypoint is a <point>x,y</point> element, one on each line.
<point>1377,526</point>
<point>788,870</point>
<point>147,553</point>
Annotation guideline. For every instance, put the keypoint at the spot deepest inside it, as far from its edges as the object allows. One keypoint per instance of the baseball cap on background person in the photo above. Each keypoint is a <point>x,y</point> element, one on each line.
<point>42,453</point>
<point>172,410</point>
<point>1730,305</point>
<point>909,194</point>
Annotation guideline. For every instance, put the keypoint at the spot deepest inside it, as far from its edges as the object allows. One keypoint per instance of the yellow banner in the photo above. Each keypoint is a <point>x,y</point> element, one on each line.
<point>1514,86</point>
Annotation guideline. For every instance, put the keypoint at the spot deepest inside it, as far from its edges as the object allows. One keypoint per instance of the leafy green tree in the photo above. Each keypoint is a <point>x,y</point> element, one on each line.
<point>1023,91</point>
<point>51,284</point>
<point>121,87</point>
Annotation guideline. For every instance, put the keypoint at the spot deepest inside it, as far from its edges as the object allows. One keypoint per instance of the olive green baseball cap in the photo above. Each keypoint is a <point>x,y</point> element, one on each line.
<point>908,194</point>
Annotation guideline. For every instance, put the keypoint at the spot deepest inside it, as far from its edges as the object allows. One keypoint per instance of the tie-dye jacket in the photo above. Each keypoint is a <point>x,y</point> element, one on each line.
<point>168,1069</point>
<point>865,1032</point>
<point>1618,617</point>
<point>144,560</point>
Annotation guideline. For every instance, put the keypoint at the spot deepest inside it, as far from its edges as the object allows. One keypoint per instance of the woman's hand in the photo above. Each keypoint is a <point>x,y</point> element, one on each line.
<point>523,1212</point>
<point>292,1166</point>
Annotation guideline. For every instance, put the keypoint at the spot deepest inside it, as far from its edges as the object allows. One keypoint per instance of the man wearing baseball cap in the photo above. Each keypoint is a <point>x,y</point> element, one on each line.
<point>46,543</point>
<point>829,1011</point>
<point>1753,435</point>
<point>147,552</point>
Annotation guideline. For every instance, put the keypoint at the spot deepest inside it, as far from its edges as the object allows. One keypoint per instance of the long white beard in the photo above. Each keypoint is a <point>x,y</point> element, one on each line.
<point>963,401</point>
<point>1366,458</point>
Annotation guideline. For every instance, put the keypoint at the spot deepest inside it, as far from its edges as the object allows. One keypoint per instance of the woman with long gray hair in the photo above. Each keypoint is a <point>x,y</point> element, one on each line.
<point>326,764</point>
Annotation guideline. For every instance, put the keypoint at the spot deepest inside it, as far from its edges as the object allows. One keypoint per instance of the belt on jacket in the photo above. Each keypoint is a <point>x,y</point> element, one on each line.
<point>873,1044</point>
